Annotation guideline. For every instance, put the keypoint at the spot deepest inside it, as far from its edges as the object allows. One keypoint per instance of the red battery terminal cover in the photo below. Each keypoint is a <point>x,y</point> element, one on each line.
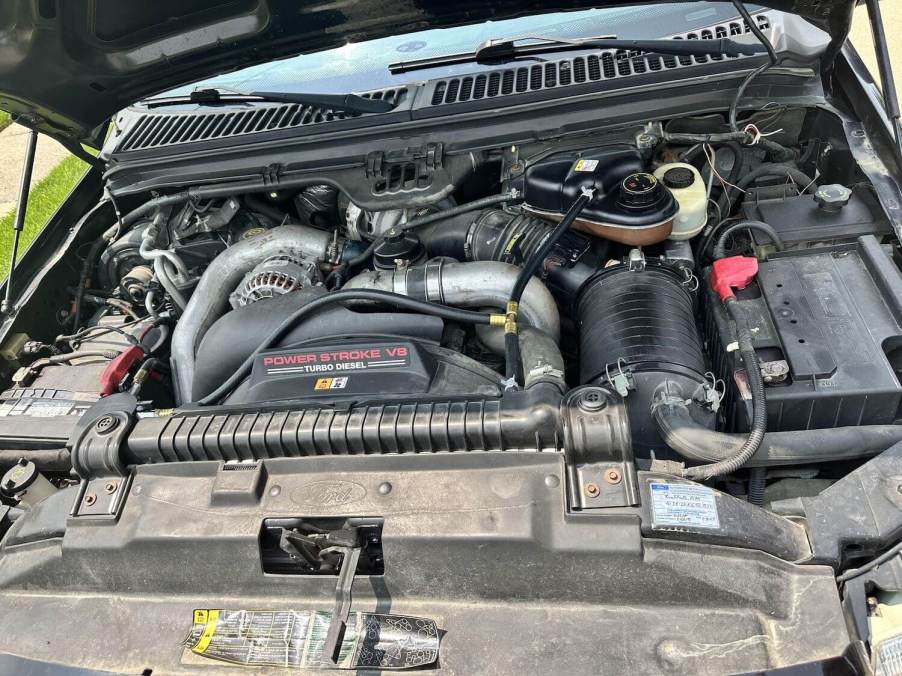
<point>736,272</point>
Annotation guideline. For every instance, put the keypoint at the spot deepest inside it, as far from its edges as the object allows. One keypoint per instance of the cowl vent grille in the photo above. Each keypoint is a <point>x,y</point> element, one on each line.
<point>156,130</point>
<point>605,65</point>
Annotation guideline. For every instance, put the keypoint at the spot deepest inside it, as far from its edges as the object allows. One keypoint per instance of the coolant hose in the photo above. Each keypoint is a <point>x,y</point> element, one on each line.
<point>773,150</point>
<point>210,299</point>
<point>148,249</point>
<point>47,459</point>
<point>803,447</point>
<point>166,281</point>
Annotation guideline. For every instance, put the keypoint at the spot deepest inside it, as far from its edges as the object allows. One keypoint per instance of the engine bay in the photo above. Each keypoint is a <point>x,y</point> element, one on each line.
<point>686,333</point>
<point>238,300</point>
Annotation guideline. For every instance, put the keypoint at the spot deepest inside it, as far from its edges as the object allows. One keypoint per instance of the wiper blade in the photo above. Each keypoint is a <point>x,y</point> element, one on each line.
<point>494,52</point>
<point>347,103</point>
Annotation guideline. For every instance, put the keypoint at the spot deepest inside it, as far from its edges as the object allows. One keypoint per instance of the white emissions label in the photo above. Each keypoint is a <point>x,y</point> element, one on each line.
<point>683,505</point>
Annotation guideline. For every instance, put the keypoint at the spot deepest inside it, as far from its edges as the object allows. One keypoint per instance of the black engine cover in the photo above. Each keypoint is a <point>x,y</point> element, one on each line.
<point>361,369</point>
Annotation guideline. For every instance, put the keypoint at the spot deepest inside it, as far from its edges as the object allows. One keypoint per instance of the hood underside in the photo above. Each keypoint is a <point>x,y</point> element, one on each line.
<point>67,67</point>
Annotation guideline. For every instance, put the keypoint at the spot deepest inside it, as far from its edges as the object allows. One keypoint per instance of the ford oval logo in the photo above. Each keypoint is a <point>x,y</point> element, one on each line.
<point>328,493</point>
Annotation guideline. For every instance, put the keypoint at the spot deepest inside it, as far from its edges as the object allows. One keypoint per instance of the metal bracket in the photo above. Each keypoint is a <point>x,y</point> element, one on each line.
<point>602,485</point>
<point>101,498</point>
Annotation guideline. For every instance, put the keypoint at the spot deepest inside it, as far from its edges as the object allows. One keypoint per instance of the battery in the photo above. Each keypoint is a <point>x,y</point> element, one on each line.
<point>827,327</point>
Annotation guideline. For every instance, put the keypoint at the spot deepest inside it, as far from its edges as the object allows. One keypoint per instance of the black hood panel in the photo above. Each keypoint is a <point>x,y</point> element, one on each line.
<point>70,65</point>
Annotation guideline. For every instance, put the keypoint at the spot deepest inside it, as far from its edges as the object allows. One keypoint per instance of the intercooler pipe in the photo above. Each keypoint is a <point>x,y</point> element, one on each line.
<point>507,237</point>
<point>210,299</point>
<point>476,284</point>
<point>700,444</point>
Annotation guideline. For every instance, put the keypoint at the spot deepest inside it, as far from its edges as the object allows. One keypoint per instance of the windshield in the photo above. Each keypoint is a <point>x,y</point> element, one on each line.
<point>363,66</point>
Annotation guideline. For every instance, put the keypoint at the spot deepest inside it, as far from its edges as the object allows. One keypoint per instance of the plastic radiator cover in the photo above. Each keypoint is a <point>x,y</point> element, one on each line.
<point>480,543</point>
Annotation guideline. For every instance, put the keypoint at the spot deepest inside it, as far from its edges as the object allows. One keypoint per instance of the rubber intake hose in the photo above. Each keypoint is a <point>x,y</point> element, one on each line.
<point>210,299</point>
<point>750,446</point>
<point>512,358</point>
<point>699,444</point>
<point>542,361</point>
<point>421,222</point>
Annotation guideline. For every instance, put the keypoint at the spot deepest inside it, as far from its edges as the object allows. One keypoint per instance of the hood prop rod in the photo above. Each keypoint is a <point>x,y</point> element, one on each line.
<point>884,64</point>
<point>6,306</point>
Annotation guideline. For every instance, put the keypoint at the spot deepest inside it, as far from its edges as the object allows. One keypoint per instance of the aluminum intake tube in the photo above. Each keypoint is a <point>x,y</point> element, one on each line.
<point>210,299</point>
<point>478,284</point>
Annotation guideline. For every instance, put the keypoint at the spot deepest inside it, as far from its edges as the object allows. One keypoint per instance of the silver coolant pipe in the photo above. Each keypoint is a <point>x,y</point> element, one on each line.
<point>210,299</point>
<point>478,284</point>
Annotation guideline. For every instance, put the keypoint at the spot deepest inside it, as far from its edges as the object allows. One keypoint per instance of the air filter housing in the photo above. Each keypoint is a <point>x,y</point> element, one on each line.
<point>638,325</point>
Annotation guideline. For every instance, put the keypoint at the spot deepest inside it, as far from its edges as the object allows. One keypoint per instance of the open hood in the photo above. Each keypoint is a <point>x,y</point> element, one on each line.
<point>67,67</point>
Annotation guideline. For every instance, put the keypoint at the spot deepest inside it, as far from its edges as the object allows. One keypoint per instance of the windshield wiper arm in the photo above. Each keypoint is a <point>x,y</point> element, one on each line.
<point>494,52</point>
<point>348,103</point>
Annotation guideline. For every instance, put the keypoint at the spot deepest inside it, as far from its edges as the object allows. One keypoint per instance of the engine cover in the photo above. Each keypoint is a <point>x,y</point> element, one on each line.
<point>362,369</point>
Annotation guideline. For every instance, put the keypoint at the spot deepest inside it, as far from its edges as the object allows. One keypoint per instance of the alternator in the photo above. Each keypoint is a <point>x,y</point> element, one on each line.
<point>273,277</point>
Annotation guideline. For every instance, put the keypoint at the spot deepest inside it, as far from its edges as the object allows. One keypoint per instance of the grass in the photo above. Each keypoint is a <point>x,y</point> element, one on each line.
<point>5,120</point>
<point>43,201</point>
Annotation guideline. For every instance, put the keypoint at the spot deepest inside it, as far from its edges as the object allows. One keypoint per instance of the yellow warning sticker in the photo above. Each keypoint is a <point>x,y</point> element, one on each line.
<point>585,165</point>
<point>290,638</point>
<point>330,383</point>
<point>209,630</point>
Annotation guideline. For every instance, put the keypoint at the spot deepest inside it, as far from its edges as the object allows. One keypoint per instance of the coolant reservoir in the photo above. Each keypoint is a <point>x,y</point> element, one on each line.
<point>688,188</point>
